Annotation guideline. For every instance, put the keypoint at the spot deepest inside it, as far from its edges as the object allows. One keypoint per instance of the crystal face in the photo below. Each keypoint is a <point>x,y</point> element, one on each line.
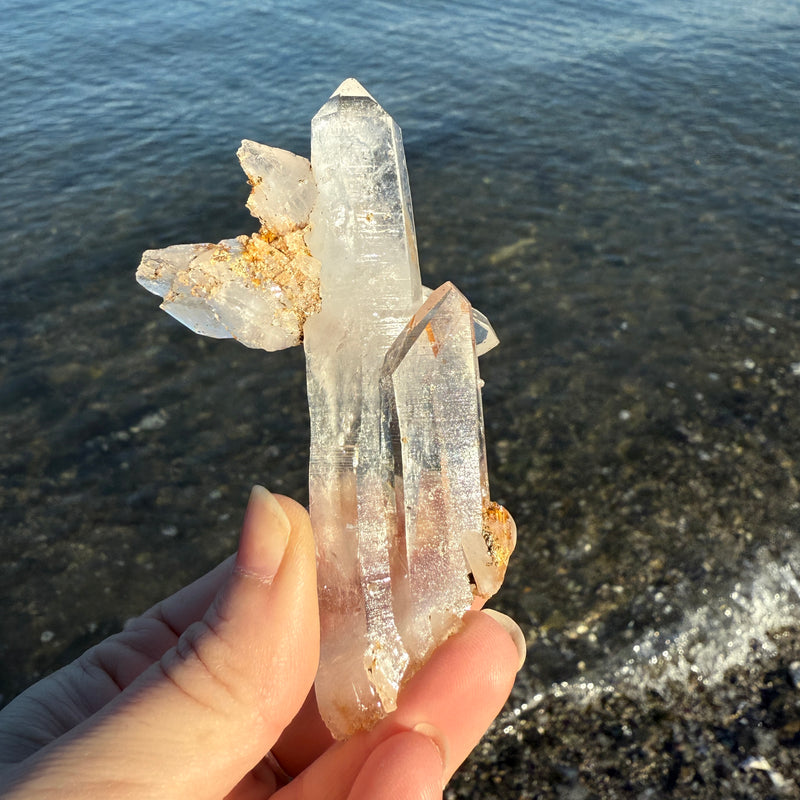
<point>258,289</point>
<point>407,537</point>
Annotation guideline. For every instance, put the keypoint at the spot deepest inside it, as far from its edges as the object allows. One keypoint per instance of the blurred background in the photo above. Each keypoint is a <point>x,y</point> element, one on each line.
<point>615,184</point>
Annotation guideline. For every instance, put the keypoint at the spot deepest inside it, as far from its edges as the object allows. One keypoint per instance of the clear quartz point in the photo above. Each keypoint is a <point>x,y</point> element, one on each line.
<point>363,234</point>
<point>398,486</point>
<point>406,534</point>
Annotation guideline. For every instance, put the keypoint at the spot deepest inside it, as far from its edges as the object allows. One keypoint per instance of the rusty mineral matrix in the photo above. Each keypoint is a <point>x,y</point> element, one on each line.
<point>406,534</point>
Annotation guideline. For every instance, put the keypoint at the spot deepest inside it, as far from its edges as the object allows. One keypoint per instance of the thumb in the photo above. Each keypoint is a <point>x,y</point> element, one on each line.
<point>195,722</point>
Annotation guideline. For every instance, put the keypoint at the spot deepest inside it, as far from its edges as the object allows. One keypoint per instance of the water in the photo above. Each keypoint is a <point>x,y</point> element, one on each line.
<point>615,184</point>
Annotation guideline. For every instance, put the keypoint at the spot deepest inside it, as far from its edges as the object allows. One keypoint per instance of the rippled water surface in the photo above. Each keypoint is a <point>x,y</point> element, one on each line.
<point>615,184</point>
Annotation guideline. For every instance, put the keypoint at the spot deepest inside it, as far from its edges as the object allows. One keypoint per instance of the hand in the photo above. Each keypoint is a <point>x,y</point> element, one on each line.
<point>209,695</point>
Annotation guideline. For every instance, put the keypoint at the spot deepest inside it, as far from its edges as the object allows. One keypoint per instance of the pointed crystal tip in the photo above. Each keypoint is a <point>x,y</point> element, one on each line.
<point>351,88</point>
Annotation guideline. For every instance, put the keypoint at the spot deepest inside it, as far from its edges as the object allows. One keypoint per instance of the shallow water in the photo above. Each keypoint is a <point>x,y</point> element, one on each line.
<point>614,184</point>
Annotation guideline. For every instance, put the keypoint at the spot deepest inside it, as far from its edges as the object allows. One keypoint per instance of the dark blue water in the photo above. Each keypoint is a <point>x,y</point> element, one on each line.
<point>575,111</point>
<point>616,184</point>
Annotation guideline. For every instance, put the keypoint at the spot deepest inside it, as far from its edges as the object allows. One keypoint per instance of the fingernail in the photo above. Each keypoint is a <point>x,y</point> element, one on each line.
<point>437,739</point>
<point>513,630</point>
<point>265,534</point>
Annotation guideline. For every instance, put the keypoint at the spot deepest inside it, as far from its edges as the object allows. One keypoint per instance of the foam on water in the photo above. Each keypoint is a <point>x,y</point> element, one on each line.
<point>723,633</point>
<point>710,640</point>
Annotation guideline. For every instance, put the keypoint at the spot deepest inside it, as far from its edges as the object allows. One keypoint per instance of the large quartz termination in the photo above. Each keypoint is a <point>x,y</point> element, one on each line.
<point>407,537</point>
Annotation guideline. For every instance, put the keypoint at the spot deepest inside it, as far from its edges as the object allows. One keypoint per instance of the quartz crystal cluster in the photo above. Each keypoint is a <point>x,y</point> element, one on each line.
<point>407,537</point>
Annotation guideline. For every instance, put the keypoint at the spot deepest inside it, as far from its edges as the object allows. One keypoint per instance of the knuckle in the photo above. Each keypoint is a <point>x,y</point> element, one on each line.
<point>201,667</point>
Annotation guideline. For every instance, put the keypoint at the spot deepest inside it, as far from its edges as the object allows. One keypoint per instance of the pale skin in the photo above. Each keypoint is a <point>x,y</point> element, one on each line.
<point>188,700</point>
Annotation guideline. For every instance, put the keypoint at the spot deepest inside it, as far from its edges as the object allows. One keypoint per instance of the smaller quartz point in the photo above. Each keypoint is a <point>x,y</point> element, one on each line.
<point>258,289</point>
<point>406,535</point>
<point>432,406</point>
